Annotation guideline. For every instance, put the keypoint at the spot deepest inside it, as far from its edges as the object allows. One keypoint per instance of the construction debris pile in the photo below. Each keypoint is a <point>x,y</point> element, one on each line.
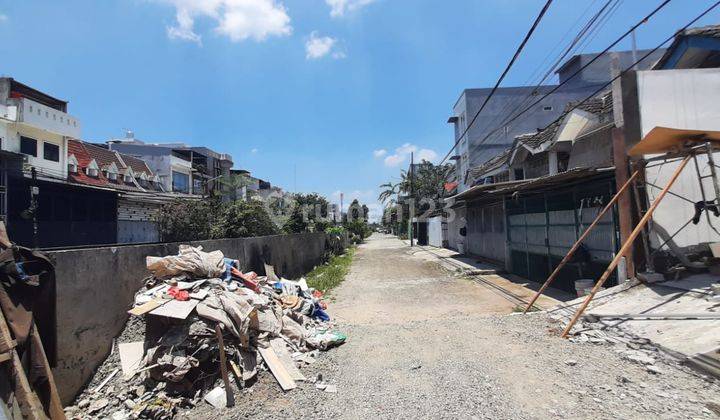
<point>207,323</point>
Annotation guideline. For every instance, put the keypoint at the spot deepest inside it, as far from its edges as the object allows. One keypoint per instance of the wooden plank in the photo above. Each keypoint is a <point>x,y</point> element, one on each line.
<point>30,405</point>
<point>223,367</point>
<point>277,368</point>
<point>178,309</point>
<point>4,357</point>
<point>148,306</point>
<point>280,349</point>
<point>55,407</point>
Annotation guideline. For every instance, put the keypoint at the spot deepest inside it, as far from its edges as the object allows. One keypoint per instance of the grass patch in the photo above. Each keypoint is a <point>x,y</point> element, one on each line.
<point>332,273</point>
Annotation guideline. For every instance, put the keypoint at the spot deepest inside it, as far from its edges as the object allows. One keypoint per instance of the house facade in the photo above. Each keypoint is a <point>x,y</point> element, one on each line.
<point>530,202</point>
<point>180,168</point>
<point>492,133</point>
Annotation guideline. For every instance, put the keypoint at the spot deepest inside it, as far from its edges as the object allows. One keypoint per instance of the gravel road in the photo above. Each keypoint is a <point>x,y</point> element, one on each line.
<point>426,344</point>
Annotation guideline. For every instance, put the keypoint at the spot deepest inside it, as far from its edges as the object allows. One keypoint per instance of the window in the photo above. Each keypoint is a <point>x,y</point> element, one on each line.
<point>180,182</point>
<point>51,152</point>
<point>112,176</point>
<point>28,146</point>
<point>519,174</point>
<point>72,164</point>
<point>92,169</point>
<point>128,178</point>
<point>547,108</point>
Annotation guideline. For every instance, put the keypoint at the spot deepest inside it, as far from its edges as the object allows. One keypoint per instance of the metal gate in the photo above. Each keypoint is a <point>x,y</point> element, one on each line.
<point>543,226</point>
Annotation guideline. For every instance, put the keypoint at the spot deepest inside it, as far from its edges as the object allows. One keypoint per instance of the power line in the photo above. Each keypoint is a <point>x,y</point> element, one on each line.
<point>505,72</point>
<point>598,20</point>
<point>628,32</point>
<point>603,87</point>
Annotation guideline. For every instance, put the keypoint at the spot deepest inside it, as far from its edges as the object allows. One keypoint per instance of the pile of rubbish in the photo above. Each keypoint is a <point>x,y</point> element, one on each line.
<point>208,324</point>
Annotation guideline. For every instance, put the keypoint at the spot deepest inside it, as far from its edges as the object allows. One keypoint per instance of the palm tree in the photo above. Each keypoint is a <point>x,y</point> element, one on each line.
<point>389,191</point>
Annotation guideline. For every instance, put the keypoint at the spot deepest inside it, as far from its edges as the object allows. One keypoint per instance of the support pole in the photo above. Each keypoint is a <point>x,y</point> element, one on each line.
<point>412,198</point>
<point>625,213</point>
<point>626,245</point>
<point>582,237</point>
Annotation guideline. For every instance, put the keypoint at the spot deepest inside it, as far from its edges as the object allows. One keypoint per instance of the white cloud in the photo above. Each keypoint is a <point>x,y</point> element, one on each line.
<point>184,29</point>
<point>254,151</point>
<point>237,19</point>
<point>3,17</point>
<point>426,154</point>
<point>402,154</point>
<point>319,46</point>
<point>338,8</point>
<point>379,153</point>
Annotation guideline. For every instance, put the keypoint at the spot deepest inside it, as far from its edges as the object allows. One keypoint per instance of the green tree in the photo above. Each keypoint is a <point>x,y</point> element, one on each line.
<point>187,220</point>
<point>309,214</point>
<point>234,184</point>
<point>389,193</point>
<point>426,186</point>
<point>240,219</point>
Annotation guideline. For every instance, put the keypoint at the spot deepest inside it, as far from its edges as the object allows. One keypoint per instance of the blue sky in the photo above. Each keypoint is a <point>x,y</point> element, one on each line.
<point>304,93</point>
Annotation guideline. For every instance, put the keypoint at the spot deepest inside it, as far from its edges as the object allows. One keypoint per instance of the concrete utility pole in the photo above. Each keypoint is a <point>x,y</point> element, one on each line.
<point>412,197</point>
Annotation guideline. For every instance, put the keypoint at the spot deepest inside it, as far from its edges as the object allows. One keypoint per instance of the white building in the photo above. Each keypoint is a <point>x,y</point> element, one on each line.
<point>37,126</point>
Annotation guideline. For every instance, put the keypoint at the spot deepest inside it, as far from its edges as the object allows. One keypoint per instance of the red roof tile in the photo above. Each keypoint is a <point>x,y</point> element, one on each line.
<point>85,153</point>
<point>137,165</point>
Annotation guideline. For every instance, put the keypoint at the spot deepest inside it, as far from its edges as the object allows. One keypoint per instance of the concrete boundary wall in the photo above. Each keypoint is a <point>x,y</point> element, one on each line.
<point>96,286</point>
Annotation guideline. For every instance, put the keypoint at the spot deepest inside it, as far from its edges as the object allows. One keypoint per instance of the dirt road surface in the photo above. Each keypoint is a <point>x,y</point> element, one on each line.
<point>424,343</point>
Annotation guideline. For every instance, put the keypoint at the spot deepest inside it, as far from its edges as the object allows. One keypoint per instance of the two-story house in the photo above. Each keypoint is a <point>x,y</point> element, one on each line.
<point>180,168</point>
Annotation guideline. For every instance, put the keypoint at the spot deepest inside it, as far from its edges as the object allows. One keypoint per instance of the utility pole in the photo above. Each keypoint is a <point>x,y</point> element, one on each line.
<point>634,49</point>
<point>412,197</point>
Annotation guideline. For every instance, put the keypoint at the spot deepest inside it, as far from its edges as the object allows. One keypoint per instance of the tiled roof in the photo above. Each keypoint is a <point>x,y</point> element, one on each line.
<point>492,164</point>
<point>77,149</point>
<point>103,156</point>
<point>137,165</point>
<point>599,105</point>
<point>86,152</point>
<point>710,31</point>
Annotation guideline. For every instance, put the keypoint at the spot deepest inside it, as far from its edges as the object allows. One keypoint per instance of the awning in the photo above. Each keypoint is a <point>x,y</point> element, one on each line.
<point>509,187</point>
<point>665,139</point>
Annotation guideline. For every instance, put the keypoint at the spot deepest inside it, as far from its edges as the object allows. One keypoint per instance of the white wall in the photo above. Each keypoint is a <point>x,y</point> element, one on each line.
<point>690,99</point>
<point>435,231</point>
<point>49,119</point>
<point>10,134</point>
<point>455,221</point>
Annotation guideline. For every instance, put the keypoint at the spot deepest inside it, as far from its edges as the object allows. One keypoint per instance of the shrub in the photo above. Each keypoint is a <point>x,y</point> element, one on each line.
<point>187,220</point>
<point>196,220</point>
<point>309,214</point>
<point>241,219</point>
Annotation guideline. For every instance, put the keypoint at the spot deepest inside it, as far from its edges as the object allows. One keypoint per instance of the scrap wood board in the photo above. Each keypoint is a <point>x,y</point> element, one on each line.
<point>278,346</point>
<point>147,307</point>
<point>179,309</point>
<point>277,368</point>
<point>131,356</point>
